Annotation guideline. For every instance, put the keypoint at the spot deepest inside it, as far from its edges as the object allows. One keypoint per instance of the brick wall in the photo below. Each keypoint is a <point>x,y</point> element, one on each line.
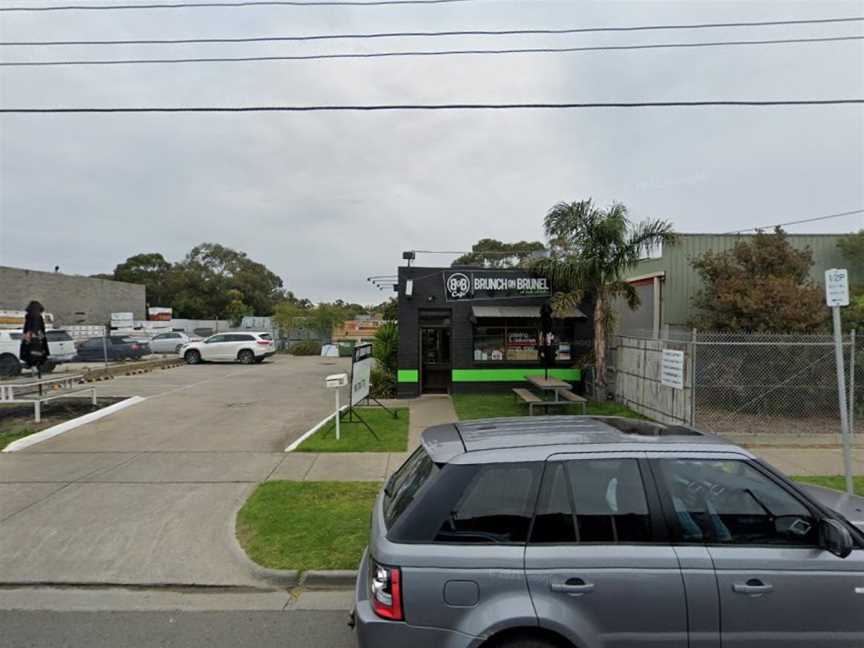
<point>72,299</point>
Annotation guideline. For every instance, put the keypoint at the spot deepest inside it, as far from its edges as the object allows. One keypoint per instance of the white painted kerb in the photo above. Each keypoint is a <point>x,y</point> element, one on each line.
<point>60,428</point>
<point>305,436</point>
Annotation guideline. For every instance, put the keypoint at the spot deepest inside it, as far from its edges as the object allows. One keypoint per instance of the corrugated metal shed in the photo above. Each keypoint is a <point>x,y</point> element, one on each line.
<point>681,282</point>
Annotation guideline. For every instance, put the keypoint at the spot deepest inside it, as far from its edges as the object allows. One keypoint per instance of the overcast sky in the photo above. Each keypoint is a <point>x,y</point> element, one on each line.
<point>326,199</point>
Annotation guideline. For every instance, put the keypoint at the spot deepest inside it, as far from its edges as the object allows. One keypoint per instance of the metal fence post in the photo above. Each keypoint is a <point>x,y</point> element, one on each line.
<point>693,337</point>
<point>852,384</point>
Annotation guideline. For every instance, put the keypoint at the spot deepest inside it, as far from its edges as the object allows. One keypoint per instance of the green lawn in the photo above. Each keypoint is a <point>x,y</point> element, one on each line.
<point>307,525</point>
<point>835,482</point>
<point>15,432</point>
<point>392,434</point>
<point>477,406</point>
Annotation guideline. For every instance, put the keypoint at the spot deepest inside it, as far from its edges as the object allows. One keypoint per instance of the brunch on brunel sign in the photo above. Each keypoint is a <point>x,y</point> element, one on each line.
<point>460,286</point>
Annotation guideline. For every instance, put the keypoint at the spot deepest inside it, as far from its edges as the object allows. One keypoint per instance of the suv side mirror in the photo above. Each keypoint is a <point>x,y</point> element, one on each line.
<point>834,537</point>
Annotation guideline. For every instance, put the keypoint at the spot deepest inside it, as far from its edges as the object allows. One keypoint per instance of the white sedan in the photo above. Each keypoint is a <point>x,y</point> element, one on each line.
<point>170,342</point>
<point>246,347</point>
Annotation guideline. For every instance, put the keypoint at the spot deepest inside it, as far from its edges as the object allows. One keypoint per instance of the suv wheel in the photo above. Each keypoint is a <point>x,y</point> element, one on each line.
<point>192,357</point>
<point>48,366</point>
<point>246,356</point>
<point>9,365</point>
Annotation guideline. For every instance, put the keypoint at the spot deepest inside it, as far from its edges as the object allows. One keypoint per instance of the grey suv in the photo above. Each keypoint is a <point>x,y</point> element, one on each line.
<point>605,533</point>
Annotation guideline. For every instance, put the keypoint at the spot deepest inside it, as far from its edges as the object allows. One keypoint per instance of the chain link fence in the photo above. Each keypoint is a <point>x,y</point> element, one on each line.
<point>744,383</point>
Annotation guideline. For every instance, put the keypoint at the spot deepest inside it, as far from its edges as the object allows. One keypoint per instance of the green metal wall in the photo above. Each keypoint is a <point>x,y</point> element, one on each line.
<point>682,282</point>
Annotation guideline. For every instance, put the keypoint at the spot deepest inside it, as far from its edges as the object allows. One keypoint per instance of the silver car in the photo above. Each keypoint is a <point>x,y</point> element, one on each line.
<point>592,532</point>
<point>169,342</point>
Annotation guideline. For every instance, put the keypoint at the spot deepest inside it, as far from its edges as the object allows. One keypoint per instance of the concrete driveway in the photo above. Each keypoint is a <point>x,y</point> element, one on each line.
<point>147,496</point>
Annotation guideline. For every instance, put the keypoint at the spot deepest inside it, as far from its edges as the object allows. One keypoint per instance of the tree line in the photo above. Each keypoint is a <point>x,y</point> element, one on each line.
<point>216,282</point>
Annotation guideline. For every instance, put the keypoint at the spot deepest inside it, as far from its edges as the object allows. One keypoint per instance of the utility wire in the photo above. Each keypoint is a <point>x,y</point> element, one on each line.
<point>244,3</point>
<point>435,107</point>
<point>430,34</point>
<point>799,222</point>
<point>371,55</point>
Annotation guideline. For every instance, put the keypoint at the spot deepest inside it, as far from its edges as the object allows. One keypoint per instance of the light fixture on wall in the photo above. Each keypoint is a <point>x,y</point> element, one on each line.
<point>409,287</point>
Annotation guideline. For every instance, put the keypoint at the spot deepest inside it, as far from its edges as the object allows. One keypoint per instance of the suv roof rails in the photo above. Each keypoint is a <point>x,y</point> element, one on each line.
<point>647,428</point>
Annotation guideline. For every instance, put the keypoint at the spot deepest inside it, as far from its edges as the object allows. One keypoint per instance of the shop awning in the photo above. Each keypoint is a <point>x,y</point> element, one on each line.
<point>515,312</point>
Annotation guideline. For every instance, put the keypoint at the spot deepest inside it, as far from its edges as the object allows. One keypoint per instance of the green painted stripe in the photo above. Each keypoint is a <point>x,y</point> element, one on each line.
<point>511,375</point>
<point>408,376</point>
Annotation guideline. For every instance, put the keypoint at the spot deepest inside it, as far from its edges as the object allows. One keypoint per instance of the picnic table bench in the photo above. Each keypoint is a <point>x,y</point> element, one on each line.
<point>44,390</point>
<point>561,389</point>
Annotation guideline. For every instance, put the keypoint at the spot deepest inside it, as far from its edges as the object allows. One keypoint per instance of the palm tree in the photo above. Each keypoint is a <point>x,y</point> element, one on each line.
<point>591,249</point>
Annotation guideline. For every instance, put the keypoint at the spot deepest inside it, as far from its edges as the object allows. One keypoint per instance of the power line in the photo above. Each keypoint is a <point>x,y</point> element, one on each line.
<point>437,107</point>
<point>799,222</point>
<point>371,55</point>
<point>244,3</point>
<point>432,34</point>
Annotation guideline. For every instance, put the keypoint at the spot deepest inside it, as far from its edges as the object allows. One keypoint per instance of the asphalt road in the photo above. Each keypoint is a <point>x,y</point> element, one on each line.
<point>227,629</point>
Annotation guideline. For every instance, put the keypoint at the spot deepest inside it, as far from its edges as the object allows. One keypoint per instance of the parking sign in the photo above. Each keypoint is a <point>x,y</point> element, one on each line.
<point>837,287</point>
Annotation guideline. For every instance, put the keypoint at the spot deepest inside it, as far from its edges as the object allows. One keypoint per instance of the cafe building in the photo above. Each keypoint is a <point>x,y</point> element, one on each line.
<point>474,330</point>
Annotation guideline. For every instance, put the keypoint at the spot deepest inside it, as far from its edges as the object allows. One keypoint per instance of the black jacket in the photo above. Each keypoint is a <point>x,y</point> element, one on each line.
<point>35,325</point>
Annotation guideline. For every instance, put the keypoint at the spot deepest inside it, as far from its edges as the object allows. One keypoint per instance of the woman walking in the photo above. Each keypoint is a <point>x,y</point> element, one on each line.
<point>34,343</point>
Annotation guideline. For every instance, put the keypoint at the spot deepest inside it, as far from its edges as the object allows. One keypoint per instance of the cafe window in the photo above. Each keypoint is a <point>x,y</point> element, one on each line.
<point>515,340</point>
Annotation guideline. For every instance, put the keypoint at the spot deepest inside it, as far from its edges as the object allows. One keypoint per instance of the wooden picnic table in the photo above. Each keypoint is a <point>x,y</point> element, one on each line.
<point>549,384</point>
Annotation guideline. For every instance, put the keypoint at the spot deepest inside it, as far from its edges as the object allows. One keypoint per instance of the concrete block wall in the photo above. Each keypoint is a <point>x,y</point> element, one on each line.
<point>72,299</point>
<point>637,380</point>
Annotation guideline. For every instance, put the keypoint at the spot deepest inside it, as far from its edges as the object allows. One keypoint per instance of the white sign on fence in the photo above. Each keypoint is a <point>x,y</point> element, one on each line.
<point>837,287</point>
<point>361,368</point>
<point>672,369</point>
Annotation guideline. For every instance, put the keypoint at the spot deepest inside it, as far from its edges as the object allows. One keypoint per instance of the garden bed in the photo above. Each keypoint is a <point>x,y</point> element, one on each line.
<point>16,420</point>
<point>478,406</point>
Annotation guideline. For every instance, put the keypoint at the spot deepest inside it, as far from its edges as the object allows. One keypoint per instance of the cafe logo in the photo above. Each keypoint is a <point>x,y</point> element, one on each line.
<point>458,286</point>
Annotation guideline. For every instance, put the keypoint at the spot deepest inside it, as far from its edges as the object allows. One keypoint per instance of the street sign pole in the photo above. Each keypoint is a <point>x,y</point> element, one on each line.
<point>841,391</point>
<point>837,296</point>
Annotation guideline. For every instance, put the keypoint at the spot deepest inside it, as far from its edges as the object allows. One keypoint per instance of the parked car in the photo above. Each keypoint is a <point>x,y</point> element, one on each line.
<point>117,347</point>
<point>246,347</point>
<point>61,348</point>
<point>598,532</point>
<point>170,342</point>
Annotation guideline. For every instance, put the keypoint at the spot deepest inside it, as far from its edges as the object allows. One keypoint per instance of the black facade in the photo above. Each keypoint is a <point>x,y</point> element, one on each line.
<point>464,330</point>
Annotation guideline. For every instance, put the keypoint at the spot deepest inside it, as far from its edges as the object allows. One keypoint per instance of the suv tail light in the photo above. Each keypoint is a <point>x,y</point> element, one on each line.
<point>385,585</point>
<point>264,342</point>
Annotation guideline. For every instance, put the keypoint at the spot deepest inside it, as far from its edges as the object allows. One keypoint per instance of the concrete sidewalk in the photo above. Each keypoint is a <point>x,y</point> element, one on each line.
<point>425,412</point>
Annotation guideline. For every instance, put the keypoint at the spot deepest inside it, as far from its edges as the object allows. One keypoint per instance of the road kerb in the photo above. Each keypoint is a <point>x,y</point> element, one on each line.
<point>66,426</point>
<point>335,579</point>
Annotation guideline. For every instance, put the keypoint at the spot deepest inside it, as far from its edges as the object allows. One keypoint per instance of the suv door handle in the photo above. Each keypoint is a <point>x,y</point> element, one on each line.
<point>572,587</point>
<point>753,587</point>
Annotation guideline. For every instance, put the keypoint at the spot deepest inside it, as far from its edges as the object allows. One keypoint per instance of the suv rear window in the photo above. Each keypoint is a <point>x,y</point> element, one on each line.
<point>404,484</point>
<point>266,336</point>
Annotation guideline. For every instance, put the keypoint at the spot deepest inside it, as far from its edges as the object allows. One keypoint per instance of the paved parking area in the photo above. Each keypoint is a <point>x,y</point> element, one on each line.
<point>148,495</point>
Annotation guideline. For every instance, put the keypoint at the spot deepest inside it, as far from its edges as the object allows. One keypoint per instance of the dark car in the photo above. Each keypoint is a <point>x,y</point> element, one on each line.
<point>116,347</point>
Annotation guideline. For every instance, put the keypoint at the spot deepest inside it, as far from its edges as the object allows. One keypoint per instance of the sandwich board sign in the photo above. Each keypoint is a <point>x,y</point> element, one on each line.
<point>672,369</point>
<point>361,369</point>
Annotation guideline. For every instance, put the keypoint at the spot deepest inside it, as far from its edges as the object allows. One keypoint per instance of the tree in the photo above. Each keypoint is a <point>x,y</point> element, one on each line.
<point>237,309</point>
<point>321,319</point>
<point>852,248</point>
<point>152,270</point>
<point>760,285</point>
<point>492,253</point>
<point>590,251</point>
<point>388,310</point>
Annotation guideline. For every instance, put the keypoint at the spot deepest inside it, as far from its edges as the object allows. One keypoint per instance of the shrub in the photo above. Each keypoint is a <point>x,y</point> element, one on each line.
<point>383,383</point>
<point>305,348</point>
<point>385,347</point>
